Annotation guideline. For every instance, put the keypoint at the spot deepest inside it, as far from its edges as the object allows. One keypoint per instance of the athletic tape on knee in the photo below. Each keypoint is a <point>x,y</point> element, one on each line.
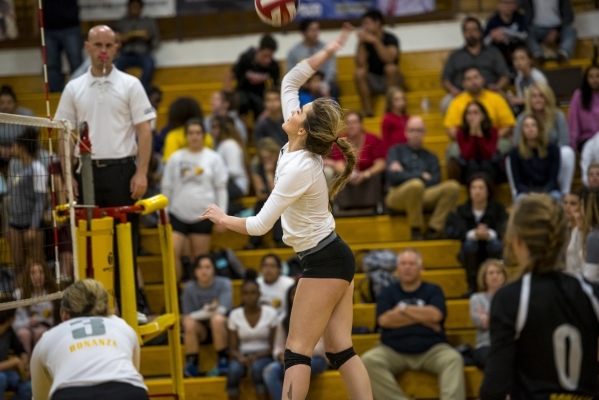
<point>338,359</point>
<point>292,359</point>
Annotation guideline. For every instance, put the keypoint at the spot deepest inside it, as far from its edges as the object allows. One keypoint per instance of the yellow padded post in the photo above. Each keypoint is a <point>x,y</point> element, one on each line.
<point>128,304</point>
<point>102,231</point>
<point>153,204</point>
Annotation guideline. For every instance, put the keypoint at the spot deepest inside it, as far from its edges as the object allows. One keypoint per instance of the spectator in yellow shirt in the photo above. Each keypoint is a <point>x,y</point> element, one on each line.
<point>500,113</point>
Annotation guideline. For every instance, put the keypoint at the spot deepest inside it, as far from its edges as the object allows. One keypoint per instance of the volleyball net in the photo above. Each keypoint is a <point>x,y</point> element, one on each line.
<point>37,255</point>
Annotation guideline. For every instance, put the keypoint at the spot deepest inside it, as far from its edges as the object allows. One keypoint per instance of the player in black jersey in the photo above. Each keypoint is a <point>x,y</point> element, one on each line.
<point>545,325</point>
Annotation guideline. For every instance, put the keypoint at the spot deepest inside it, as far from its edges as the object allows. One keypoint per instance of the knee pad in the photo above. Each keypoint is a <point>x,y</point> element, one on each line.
<point>338,359</point>
<point>292,359</point>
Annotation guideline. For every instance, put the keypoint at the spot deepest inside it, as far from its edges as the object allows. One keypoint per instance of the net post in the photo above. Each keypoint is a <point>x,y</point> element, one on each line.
<point>68,176</point>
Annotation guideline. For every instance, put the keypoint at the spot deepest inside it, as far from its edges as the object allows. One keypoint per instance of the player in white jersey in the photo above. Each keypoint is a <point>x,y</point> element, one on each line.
<point>323,301</point>
<point>91,355</point>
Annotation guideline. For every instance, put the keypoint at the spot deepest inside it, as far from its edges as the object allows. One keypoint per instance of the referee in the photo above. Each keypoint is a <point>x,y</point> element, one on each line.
<point>118,112</point>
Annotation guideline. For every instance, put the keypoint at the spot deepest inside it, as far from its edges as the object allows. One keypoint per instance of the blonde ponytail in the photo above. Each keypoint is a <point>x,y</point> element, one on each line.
<point>341,179</point>
<point>86,298</point>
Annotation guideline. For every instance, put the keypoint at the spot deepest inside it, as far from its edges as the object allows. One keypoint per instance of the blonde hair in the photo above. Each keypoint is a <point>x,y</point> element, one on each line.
<point>550,110</point>
<point>389,98</point>
<point>323,124</point>
<point>593,165</point>
<point>482,272</point>
<point>85,298</point>
<point>523,148</point>
<point>541,223</point>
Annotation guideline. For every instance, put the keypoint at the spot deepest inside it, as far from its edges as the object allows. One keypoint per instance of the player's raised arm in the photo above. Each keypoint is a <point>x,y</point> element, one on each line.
<point>305,69</point>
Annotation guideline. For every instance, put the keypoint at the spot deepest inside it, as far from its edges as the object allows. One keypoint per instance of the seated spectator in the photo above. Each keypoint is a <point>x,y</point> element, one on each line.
<point>368,148</point>
<point>414,181</point>
<point>311,44</point>
<point>540,102</point>
<point>477,140</point>
<point>263,179</point>
<point>254,69</point>
<point>506,29</point>
<point>590,234</point>
<point>313,89</point>
<point>139,36</point>
<point>499,111</point>
<point>32,321</point>
<point>27,186</point>
<point>229,145</point>
<point>223,103</point>
<point>271,125</point>
<point>275,371</point>
<point>574,252</point>
<point>194,178</point>
<point>487,59</point>
<point>206,300</point>
<point>479,223</point>
<point>273,284</point>
<point>491,277</point>
<point>8,132</point>
<point>589,156</point>
<point>411,314</point>
<point>592,176</point>
<point>583,114</point>
<point>155,97</point>
<point>394,122</point>
<point>534,162</point>
<point>526,75</point>
<point>377,60</point>
<point>252,330</point>
<point>173,134</point>
<point>13,368</point>
<point>550,23</point>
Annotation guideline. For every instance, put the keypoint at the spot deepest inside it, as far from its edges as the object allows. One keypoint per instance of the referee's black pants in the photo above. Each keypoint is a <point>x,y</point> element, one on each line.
<point>112,189</point>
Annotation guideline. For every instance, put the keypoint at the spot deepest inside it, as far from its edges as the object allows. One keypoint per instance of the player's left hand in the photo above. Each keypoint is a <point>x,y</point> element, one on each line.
<point>138,185</point>
<point>214,214</point>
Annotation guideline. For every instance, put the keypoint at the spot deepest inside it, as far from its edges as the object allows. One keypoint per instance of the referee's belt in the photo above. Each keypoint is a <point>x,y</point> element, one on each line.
<point>112,161</point>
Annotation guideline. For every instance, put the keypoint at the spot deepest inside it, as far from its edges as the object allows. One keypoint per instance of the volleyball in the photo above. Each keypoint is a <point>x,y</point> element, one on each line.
<point>277,12</point>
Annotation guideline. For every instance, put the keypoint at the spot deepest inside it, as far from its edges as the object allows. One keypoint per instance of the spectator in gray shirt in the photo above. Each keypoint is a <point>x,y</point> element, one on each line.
<point>414,179</point>
<point>272,125</point>
<point>139,35</point>
<point>309,46</point>
<point>492,275</point>
<point>206,300</point>
<point>475,53</point>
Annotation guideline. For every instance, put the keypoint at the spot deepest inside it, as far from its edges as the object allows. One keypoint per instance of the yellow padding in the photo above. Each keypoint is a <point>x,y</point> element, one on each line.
<point>153,204</point>
<point>156,327</point>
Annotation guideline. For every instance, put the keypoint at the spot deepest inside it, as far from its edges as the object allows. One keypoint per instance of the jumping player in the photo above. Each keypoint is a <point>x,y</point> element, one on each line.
<point>545,325</point>
<point>323,301</point>
<point>91,355</point>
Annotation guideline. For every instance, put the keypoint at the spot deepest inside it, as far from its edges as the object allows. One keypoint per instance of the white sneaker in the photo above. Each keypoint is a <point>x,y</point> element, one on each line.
<point>142,318</point>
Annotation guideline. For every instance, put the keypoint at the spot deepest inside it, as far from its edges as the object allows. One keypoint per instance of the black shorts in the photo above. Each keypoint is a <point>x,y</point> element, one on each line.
<point>20,228</point>
<point>336,260</point>
<point>103,391</point>
<point>199,228</point>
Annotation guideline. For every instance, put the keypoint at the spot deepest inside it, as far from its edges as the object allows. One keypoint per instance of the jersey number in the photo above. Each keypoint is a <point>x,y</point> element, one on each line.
<point>88,327</point>
<point>567,352</point>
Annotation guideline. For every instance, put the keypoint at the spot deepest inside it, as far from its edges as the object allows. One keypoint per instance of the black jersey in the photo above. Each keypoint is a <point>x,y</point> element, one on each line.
<point>544,332</point>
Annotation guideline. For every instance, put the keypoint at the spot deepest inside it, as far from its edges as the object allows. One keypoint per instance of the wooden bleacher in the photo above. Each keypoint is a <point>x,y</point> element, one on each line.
<point>422,71</point>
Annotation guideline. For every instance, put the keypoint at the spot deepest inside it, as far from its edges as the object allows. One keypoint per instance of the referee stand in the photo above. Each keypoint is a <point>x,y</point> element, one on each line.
<point>95,228</point>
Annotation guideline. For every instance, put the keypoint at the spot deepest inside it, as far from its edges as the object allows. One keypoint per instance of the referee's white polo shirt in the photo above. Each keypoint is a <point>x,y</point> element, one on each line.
<point>111,106</point>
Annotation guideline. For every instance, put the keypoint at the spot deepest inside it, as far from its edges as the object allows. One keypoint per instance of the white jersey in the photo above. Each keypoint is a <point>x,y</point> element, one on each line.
<point>300,196</point>
<point>85,351</point>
